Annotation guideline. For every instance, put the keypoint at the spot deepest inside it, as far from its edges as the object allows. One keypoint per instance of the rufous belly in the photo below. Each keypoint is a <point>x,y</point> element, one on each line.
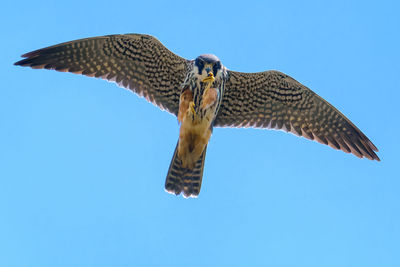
<point>195,130</point>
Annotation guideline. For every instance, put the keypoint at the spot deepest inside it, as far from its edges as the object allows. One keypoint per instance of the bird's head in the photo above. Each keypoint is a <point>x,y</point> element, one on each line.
<point>208,68</point>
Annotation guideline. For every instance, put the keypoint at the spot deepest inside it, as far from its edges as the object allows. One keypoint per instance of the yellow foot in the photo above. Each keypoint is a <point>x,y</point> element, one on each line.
<point>209,79</point>
<point>191,107</point>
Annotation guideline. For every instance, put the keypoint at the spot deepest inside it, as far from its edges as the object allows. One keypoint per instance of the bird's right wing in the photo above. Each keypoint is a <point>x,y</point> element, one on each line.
<point>274,100</point>
<point>135,61</point>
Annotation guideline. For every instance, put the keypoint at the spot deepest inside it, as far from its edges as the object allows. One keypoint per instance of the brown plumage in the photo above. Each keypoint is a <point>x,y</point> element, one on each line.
<point>135,61</point>
<point>267,99</point>
<point>274,100</point>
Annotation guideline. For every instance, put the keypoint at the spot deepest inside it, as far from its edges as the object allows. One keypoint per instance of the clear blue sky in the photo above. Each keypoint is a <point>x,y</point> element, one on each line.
<point>83,162</point>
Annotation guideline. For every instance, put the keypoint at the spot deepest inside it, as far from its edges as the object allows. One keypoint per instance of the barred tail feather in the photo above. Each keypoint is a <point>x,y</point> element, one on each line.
<point>182,179</point>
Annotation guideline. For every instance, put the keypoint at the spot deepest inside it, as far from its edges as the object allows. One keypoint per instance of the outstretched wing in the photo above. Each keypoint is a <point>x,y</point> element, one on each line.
<point>274,100</point>
<point>135,61</point>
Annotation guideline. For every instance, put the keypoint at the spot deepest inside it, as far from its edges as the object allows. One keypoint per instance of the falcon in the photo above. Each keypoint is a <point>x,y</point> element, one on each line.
<point>203,94</point>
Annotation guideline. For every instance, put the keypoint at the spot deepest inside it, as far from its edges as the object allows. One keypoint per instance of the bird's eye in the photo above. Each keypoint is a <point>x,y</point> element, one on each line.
<point>199,62</point>
<point>200,65</point>
<point>216,67</point>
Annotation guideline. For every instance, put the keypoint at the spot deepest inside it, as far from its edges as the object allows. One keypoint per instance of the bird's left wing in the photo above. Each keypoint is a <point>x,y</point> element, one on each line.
<point>274,100</point>
<point>135,61</point>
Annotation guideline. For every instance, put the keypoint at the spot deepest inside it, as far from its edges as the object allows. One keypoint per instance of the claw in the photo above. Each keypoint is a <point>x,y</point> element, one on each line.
<point>210,78</point>
<point>191,107</point>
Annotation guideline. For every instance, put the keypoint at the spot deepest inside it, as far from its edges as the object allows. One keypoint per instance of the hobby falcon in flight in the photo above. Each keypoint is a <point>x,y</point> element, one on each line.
<point>203,94</point>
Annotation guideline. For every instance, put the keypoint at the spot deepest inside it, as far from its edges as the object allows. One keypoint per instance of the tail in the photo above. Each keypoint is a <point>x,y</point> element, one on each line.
<point>182,179</point>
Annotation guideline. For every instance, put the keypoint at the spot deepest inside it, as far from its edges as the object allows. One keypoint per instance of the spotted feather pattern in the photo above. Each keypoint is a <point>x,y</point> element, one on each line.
<point>274,100</point>
<point>135,61</point>
<point>268,99</point>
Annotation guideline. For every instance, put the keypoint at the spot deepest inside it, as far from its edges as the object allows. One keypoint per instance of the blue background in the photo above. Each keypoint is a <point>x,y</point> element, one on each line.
<point>83,162</point>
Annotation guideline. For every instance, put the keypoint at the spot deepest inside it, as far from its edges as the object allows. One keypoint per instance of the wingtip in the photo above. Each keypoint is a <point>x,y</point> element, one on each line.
<point>19,62</point>
<point>28,56</point>
<point>33,53</point>
<point>371,155</point>
<point>23,61</point>
<point>376,158</point>
<point>373,150</point>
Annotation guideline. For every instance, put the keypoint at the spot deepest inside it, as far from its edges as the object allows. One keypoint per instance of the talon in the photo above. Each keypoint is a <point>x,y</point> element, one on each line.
<point>191,107</point>
<point>210,78</point>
